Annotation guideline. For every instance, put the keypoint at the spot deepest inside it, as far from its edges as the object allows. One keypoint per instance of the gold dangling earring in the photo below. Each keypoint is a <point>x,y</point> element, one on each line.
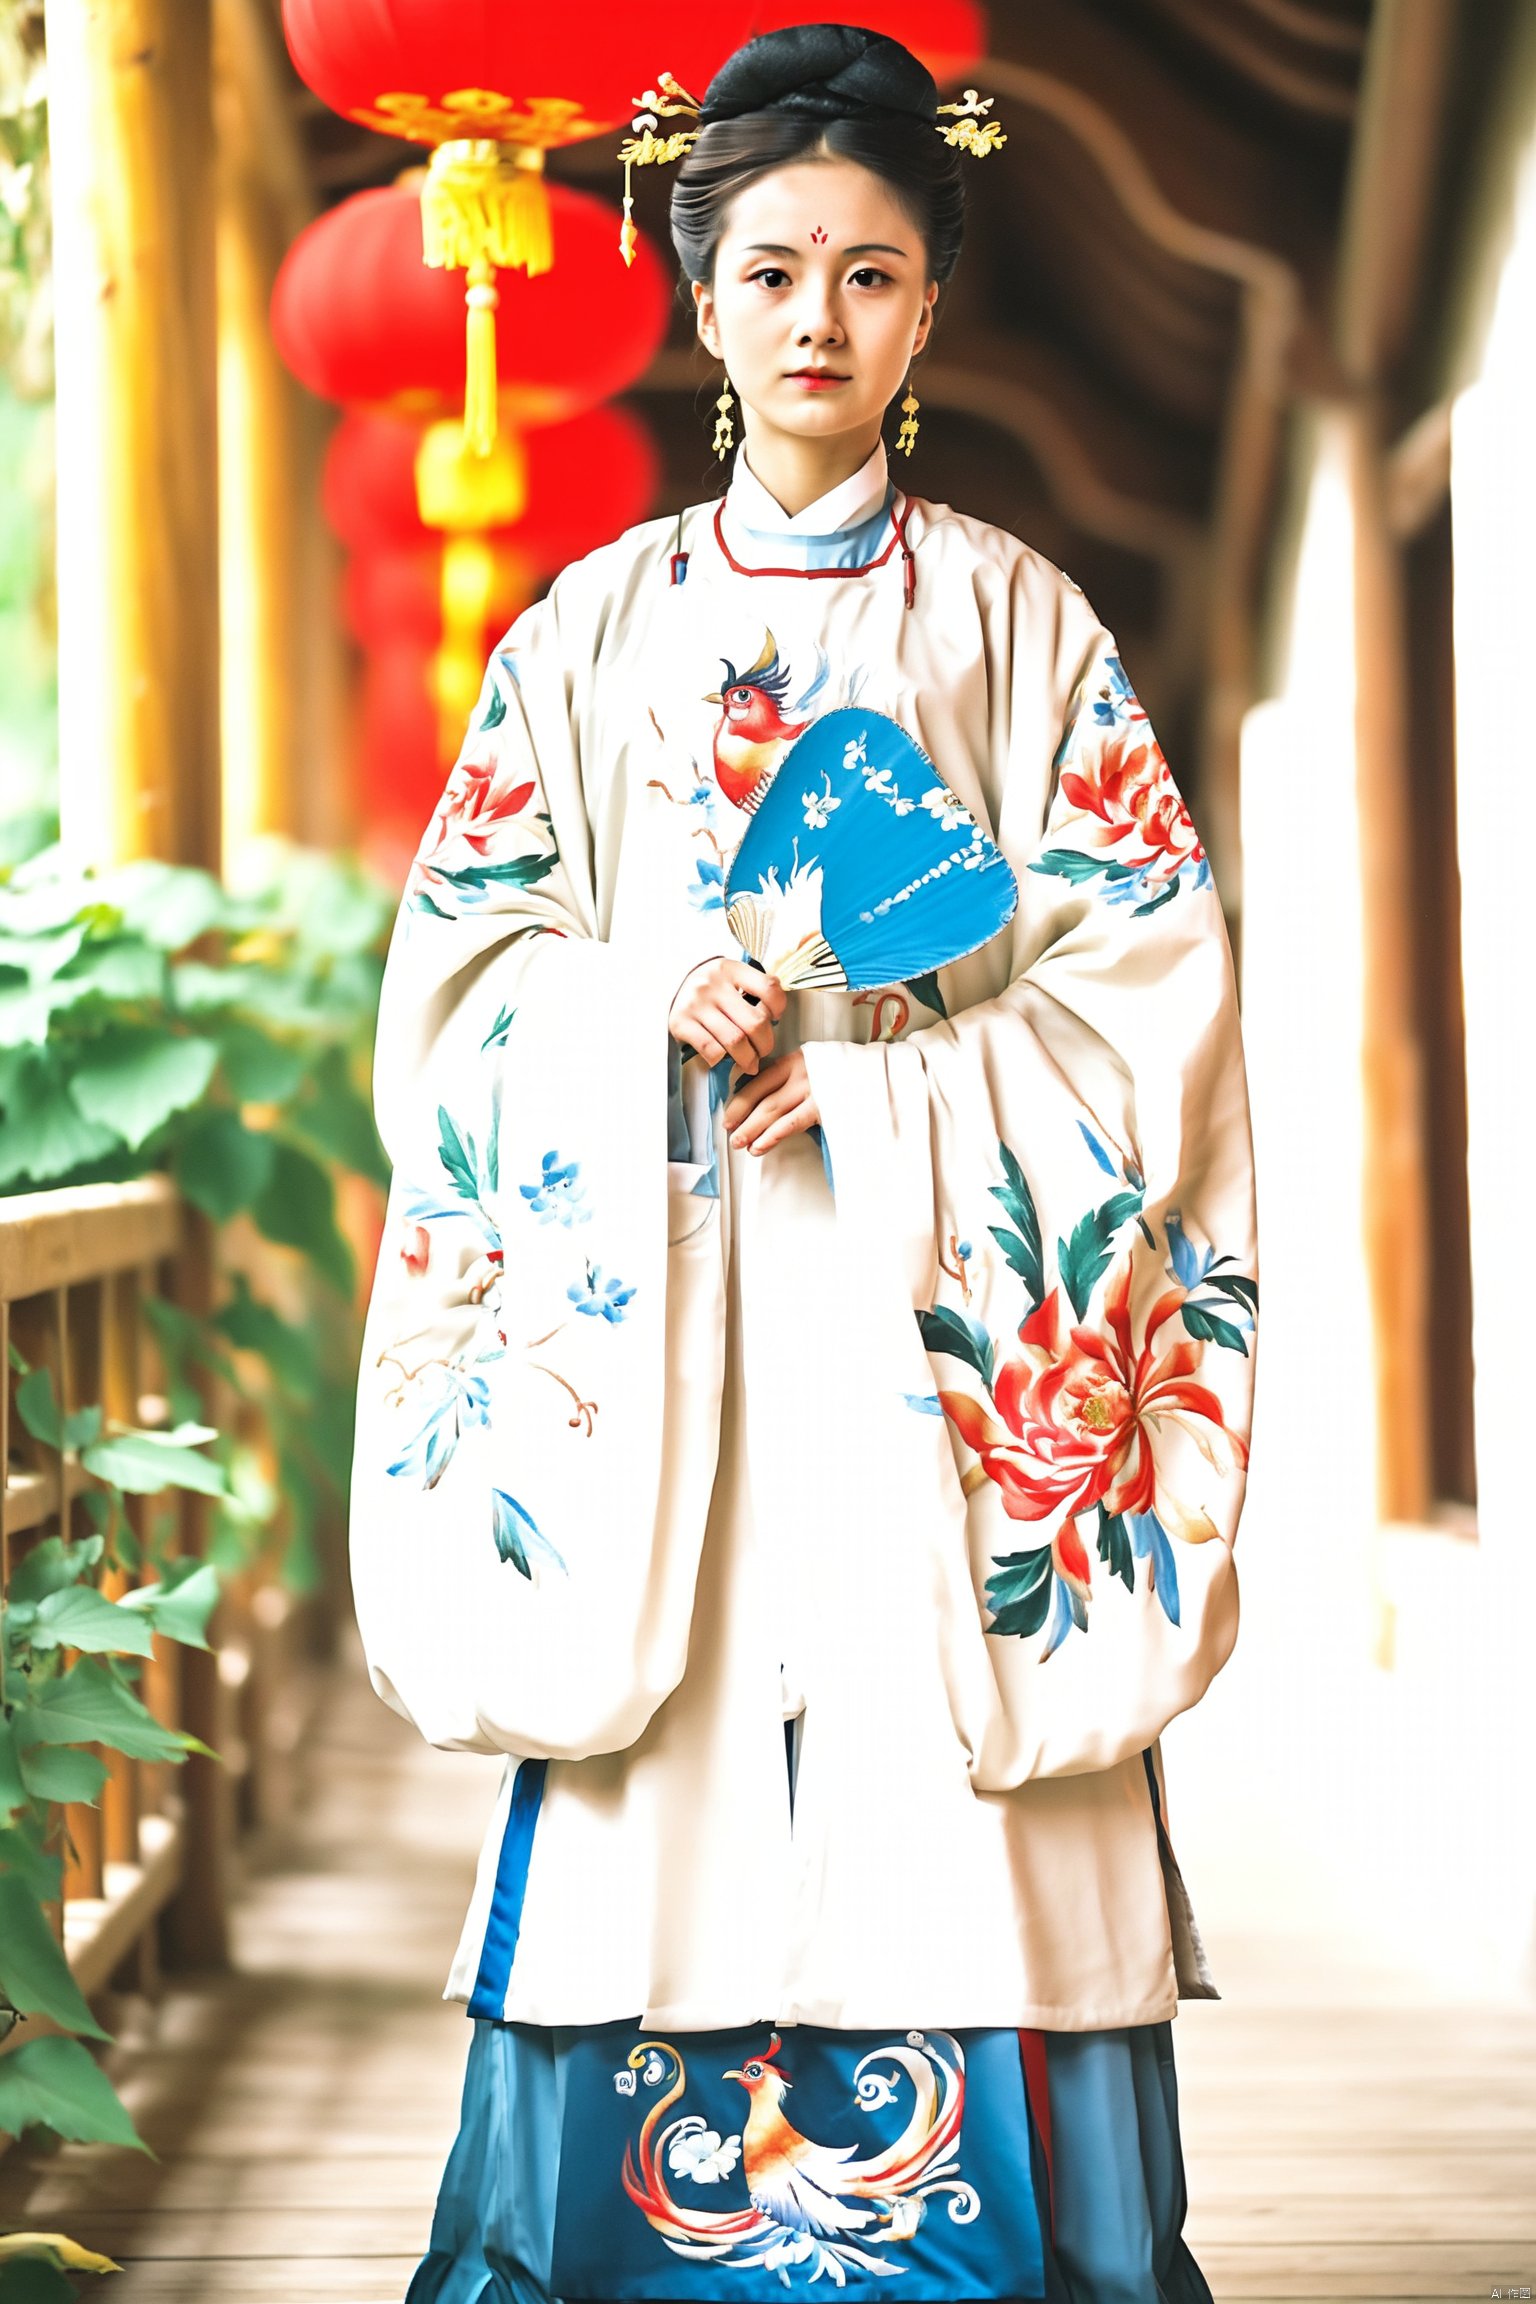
<point>725,438</point>
<point>906,438</point>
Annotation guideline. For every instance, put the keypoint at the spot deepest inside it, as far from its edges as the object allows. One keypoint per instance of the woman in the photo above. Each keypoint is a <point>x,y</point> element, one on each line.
<point>758,1372</point>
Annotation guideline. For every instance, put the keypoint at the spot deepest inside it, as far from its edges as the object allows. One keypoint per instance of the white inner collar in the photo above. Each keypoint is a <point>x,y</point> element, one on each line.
<point>852,500</point>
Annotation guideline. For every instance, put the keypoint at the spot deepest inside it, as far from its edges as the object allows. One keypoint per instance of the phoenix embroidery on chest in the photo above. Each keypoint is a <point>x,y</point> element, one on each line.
<point>758,713</point>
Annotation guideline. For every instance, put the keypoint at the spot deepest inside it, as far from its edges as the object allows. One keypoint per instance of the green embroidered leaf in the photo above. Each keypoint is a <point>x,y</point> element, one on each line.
<point>961,1337</point>
<point>1212,1330</point>
<point>1067,864</point>
<point>1020,1594</point>
<point>1026,1257</point>
<point>135,1077</point>
<point>221,1165</point>
<point>497,710</point>
<point>1140,911</point>
<point>926,989</point>
<point>1016,1255</point>
<point>56,2083</point>
<point>517,872</point>
<point>457,1154</point>
<point>1115,1547</point>
<point>1082,1260</point>
<point>496,1037</point>
<point>33,1971</point>
<point>1235,1284</point>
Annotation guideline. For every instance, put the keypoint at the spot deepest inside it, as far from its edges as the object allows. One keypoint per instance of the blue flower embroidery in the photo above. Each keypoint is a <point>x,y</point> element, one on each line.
<point>707,893</point>
<point>519,1538</point>
<point>462,1399</point>
<point>600,1296</point>
<point>559,1193</point>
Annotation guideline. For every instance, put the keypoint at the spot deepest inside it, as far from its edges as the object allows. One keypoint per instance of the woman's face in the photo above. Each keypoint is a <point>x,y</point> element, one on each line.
<point>819,273</point>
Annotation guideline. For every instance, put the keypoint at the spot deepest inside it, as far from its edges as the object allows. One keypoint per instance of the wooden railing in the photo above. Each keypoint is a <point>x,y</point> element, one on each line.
<point>148,1871</point>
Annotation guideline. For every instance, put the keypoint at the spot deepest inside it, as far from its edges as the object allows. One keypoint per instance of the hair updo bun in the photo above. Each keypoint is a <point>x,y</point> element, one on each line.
<point>822,91</point>
<point>833,71</point>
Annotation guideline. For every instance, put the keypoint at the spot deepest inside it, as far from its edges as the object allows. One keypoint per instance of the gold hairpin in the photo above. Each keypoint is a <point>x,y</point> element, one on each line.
<point>666,101</point>
<point>669,100</point>
<point>968,131</point>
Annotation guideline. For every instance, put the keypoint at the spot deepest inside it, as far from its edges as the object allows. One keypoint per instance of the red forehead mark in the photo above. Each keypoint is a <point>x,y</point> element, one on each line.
<point>818,234</point>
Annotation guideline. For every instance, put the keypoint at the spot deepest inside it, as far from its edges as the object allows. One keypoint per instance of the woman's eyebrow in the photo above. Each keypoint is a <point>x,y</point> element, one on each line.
<point>860,248</point>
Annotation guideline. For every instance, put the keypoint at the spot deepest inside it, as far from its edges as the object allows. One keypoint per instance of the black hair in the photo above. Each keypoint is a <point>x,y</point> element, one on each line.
<point>819,91</point>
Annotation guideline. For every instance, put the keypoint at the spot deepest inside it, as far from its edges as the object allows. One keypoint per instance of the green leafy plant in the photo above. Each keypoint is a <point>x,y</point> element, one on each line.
<point>152,1019</point>
<point>53,1712</point>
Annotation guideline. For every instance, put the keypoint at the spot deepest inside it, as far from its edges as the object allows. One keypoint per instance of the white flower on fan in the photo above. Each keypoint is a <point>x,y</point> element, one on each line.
<point>853,751</point>
<point>702,2153</point>
<point>819,805</point>
<point>878,780</point>
<point>944,807</point>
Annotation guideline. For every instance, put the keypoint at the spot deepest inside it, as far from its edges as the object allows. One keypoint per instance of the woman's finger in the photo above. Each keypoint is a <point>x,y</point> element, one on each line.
<point>766,989</point>
<point>704,1041</point>
<point>736,1034</point>
<point>776,1099</point>
<point>755,1023</point>
<point>800,1116</point>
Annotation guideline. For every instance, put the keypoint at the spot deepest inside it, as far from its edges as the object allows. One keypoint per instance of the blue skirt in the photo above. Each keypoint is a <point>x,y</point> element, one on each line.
<point>604,2162</point>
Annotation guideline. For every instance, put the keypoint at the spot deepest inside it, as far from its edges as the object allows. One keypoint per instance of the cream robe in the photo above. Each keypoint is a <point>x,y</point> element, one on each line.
<point>651,1452</point>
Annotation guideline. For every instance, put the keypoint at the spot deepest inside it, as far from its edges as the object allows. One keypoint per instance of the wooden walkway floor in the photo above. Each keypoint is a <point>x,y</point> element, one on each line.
<point>1338,2144</point>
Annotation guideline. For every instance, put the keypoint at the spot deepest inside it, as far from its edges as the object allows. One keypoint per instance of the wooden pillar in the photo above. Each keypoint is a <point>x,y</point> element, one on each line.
<point>131,135</point>
<point>263,200</point>
<point>1395,1195</point>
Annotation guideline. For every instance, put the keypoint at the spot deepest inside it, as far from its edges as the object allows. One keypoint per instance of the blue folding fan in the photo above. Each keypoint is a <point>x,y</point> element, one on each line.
<point>859,866</point>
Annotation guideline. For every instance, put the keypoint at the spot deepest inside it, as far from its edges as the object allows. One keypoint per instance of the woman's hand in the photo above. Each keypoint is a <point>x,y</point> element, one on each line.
<point>774,1105</point>
<point>725,1008</point>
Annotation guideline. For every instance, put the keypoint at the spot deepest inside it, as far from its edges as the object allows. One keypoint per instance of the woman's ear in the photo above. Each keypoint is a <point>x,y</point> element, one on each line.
<point>925,318</point>
<point>704,316</point>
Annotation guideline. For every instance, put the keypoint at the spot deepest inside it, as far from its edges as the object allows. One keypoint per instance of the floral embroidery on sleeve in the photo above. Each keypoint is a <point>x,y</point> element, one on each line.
<point>1127,819</point>
<point>1073,1422</point>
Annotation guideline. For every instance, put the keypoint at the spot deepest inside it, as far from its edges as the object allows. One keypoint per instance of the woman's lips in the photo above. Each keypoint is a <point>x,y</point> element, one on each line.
<point>815,380</point>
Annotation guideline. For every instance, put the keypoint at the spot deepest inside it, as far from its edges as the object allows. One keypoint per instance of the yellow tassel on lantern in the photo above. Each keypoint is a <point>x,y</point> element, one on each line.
<point>480,583</point>
<point>484,208</point>
<point>459,490</point>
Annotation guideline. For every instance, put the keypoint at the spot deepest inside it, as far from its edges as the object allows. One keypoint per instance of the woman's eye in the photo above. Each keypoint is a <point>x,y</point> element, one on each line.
<point>869,272</point>
<point>771,272</point>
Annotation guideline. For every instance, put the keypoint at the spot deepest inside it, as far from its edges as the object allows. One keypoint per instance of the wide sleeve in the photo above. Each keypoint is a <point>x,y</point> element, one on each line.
<point>1057,1182</point>
<point>536,1430</point>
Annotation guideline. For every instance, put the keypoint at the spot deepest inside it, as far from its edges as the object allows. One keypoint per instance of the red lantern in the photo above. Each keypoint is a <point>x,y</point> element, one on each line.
<point>587,481</point>
<point>359,319</point>
<point>389,597</point>
<point>492,89</point>
<point>436,70</point>
<point>401,772</point>
<point>949,36</point>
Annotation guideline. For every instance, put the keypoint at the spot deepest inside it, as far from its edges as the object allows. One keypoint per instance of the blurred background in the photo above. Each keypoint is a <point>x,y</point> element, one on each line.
<point>1242,338</point>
